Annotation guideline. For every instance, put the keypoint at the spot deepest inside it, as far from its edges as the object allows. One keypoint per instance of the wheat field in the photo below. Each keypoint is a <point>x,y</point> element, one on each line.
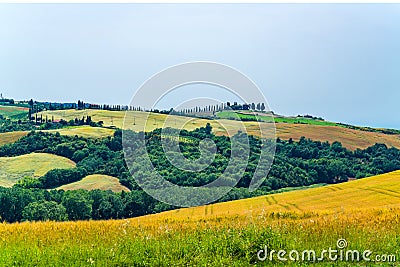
<point>96,181</point>
<point>85,131</point>
<point>13,169</point>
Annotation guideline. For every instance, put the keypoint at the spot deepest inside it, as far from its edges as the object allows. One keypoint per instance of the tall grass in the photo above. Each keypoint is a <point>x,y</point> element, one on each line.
<point>222,241</point>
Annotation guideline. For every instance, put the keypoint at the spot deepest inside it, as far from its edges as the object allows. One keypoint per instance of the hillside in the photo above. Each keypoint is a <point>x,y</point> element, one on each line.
<point>350,138</point>
<point>96,181</point>
<point>13,169</point>
<point>381,191</point>
<point>83,131</point>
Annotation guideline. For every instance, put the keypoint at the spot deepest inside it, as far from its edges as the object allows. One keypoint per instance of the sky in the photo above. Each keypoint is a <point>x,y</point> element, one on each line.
<point>337,61</point>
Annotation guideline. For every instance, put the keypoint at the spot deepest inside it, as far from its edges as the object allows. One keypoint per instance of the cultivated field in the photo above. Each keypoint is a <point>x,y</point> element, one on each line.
<point>249,115</point>
<point>14,112</point>
<point>382,191</point>
<point>85,131</point>
<point>11,137</point>
<point>13,169</point>
<point>365,212</point>
<point>350,138</point>
<point>96,181</point>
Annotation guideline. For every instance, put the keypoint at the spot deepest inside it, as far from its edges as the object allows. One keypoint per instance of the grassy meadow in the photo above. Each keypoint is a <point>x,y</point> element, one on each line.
<point>13,169</point>
<point>224,234</point>
<point>96,181</point>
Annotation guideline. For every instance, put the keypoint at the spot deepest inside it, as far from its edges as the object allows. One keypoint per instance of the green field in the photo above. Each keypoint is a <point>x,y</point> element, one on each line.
<point>14,112</point>
<point>258,116</point>
<point>364,212</point>
<point>96,181</point>
<point>13,169</point>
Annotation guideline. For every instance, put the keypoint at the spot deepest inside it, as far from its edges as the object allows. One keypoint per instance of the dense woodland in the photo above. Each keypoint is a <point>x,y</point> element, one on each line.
<point>296,164</point>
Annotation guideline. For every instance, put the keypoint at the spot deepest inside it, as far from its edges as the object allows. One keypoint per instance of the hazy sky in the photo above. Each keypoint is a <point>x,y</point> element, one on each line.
<point>341,62</point>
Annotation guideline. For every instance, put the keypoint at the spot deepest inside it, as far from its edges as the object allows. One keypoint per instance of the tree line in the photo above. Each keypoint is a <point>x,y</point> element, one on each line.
<point>21,204</point>
<point>36,107</point>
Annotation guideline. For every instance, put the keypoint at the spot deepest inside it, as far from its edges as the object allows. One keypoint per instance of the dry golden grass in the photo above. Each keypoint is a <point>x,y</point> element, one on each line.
<point>13,169</point>
<point>350,139</point>
<point>85,131</point>
<point>9,138</point>
<point>96,181</point>
<point>382,191</point>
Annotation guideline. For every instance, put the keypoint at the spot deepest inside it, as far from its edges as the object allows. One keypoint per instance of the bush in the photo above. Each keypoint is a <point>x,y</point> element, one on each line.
<point>58,177</point>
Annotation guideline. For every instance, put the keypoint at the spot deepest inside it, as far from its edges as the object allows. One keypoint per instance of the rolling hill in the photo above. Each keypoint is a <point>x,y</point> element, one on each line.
<point>350,138</point>
<point>96,181</point>
<point>382,191</point>
<point>83,131</point>
<point>13,169</point>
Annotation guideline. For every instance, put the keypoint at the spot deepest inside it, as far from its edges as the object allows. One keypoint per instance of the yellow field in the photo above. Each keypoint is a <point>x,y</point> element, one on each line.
<point>13,169</point>
<point>155,120</point>
<point>382,191</point>
<point>350,139</point>
<point>96,181</point>
<point>9,138</point>
<point>85,131</point>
